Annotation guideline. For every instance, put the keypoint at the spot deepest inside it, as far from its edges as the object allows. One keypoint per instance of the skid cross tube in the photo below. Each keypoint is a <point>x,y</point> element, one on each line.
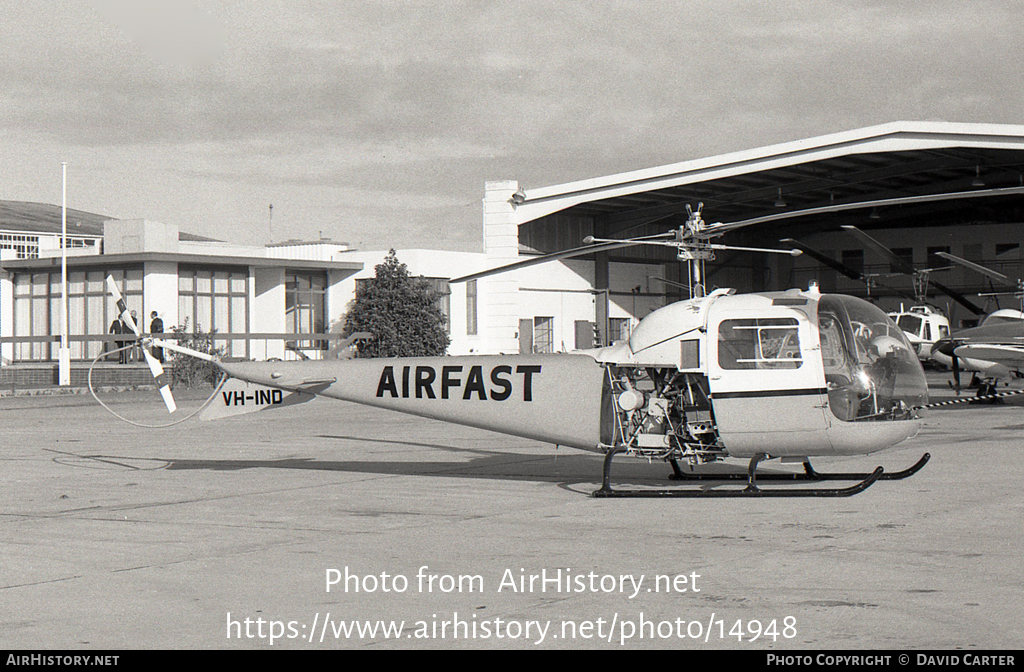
<point>752,490</point>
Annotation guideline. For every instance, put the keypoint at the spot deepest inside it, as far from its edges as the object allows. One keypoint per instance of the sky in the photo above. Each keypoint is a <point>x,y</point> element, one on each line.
<point>377,122</point>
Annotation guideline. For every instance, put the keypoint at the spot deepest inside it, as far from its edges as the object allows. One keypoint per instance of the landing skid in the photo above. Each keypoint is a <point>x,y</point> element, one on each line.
<point>809,474</point>
<point>752,490</point>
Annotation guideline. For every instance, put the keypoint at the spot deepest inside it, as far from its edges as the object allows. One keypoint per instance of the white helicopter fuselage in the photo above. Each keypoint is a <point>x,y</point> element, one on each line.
<point>773,388</point>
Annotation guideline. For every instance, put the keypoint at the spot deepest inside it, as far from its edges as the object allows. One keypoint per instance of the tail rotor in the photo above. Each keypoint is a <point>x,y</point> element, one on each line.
<point>155,367</point>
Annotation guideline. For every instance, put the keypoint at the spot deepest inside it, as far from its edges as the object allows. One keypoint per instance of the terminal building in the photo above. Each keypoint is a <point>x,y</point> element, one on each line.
<point>918,188</point>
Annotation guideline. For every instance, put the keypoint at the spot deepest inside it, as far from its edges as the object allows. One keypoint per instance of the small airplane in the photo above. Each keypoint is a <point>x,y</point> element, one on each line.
<point>994,350</point>
<point>784,375</point>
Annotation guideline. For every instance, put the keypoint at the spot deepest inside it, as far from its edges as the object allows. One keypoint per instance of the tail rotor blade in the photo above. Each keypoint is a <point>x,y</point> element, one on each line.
<point>162,380</point>
<point>155,367</point>
<point>122,307</point>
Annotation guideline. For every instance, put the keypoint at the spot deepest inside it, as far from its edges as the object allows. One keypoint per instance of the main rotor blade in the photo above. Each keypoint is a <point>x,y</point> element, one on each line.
<point>842,268</point>
<point>716,229</point>
<point>995,275</point>
<point>958,297</point>
<point>826,260</point>
<point>574,252</point>
<point>544,258</point>
<point>895,262</point>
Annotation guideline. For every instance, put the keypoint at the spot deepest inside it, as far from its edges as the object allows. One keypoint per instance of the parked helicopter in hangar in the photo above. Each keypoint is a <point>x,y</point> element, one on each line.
<point>923,323</point>
<point>789,375</point>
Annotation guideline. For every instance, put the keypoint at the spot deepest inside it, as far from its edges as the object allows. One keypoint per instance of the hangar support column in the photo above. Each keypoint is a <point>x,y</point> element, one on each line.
<point>500,293</point>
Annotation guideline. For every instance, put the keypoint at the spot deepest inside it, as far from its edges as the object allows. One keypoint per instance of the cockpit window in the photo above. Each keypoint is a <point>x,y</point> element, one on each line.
<point>910,324</point>
<point>766,343</point>
<point>871,371</point>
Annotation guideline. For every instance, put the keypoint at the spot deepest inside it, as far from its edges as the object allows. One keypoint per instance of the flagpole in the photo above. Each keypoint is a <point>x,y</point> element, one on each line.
<point>64,355</point>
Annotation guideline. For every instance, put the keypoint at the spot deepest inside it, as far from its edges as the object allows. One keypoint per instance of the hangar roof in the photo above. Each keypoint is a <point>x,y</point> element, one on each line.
<point>879,162</point>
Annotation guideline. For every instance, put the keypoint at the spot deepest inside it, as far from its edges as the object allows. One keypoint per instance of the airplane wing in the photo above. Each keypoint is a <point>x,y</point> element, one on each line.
<point>1009,355</point>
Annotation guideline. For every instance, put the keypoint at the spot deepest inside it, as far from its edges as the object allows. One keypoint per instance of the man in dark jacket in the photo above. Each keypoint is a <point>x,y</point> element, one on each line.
<point>119,327</point>
<point>157,327</point>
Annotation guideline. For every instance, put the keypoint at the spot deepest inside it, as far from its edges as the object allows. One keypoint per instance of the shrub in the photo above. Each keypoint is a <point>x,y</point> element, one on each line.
<point>400,311</point>
<point>192,371</point>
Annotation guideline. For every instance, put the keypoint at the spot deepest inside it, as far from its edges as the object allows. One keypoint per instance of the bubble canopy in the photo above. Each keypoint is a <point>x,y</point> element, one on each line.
<point>871,370</point>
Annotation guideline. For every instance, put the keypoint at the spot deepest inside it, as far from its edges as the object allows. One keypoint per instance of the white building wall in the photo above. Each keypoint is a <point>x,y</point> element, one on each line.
<point>266,311</point>
<point>561,290</point>
<point>501,245</point>
<point>564,290</point>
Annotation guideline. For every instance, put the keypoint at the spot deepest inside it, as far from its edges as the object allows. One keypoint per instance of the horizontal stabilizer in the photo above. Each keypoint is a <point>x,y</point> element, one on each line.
<point>237,397</point>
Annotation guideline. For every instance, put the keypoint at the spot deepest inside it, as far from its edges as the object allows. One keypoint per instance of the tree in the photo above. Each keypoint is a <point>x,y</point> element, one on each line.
<point>400,311</point>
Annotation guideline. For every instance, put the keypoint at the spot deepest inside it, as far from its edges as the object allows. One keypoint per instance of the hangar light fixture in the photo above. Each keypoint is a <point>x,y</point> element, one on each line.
<point>978,182</point>
<point>780,202</point>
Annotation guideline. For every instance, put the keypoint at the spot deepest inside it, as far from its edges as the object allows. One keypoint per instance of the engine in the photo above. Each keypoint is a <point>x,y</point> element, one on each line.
<point>663,413</point>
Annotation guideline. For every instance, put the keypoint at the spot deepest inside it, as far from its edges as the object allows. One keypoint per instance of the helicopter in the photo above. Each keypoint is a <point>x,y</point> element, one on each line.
<point>786,375</point>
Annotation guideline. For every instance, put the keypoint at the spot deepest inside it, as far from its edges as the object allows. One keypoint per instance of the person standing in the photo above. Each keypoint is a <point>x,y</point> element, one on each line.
<point>119,327</point>
<point>136,349</point>
<point>156,326</point>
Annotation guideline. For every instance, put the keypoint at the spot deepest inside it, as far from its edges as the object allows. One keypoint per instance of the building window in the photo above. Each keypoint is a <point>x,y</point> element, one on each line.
<point>26,247</point>
<point>471,308</point>
<point>904,254</point>
<point>854,260</point>
<point>1006,248</point>
<point>305,307</point>
<point>215,300</point>
<point>934,260</point>
<point>440,287</point>
<point>618,329</point>
<point>37,300</point>
<point>79,243</point>
<point>543,334</point>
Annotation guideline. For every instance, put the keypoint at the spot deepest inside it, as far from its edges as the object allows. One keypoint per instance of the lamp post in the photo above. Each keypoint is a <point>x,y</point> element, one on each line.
<point>64,354</point>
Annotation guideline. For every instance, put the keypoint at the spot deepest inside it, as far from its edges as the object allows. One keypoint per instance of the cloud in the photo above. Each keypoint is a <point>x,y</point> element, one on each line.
<point>400,108</point>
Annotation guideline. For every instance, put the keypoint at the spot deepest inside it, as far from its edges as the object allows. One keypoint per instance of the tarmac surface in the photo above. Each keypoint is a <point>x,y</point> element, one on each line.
<point>221,535</point>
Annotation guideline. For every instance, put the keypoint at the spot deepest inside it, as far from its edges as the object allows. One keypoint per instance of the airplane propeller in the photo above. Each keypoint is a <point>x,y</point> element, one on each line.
<point>947,347</point>
<point>155,367</point>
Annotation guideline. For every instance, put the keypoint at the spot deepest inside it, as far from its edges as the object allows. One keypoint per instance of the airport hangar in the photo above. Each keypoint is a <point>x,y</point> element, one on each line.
<point>894,160</point>
<point>305,286</point>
